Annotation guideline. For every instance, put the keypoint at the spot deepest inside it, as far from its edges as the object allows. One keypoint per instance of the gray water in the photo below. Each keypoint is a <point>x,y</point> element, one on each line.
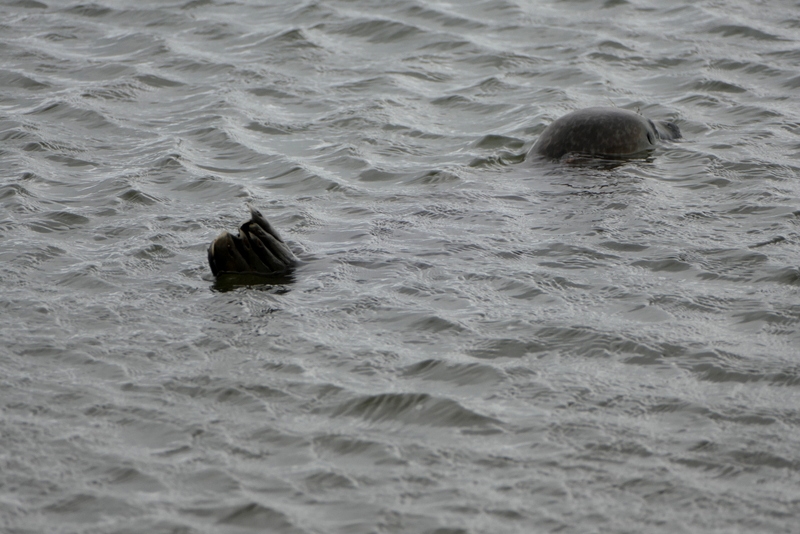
<point>473,344</point>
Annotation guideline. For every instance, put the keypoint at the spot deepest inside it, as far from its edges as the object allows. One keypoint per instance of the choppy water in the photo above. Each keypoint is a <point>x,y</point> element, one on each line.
<point>474,344</point>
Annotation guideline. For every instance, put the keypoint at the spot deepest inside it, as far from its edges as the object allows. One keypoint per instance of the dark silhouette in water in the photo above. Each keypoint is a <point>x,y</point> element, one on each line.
<point>258,249</point>
<point>602,132</point>
<point>594,132</point>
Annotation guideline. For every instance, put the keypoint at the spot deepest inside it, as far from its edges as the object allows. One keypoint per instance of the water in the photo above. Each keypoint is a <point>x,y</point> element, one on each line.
<point>474,343</point>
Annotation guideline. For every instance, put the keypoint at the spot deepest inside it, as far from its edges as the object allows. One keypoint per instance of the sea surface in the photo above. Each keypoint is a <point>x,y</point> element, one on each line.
<point>474,343</point>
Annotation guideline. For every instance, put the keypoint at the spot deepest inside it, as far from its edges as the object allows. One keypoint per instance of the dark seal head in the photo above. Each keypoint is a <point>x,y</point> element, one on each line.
<point>258,249</point>
<point>602,132</point>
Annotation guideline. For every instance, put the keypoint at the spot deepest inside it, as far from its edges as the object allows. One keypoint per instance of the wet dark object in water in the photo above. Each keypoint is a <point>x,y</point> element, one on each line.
<point>258,249</point>
<point>594,132</point>
<point>602,132</point>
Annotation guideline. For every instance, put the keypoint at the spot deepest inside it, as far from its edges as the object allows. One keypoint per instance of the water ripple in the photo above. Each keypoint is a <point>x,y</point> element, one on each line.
<point>472,342</point>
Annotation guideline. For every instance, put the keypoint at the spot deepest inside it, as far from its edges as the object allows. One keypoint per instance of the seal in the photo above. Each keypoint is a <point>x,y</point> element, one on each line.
<point>258,249</point>
<point>594,132</point>
<point>602,132</point>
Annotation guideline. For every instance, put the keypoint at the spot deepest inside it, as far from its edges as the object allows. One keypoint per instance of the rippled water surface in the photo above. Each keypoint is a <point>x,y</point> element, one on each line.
<point>474,344</point>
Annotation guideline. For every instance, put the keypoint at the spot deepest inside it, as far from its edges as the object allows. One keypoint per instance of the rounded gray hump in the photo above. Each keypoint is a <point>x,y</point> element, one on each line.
<point>611,132</point>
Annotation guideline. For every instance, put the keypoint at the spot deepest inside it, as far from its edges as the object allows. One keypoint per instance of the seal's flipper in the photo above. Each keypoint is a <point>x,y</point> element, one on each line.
<point>224,255</point>
<point>258,249</point>
<point>253,255</point>
<point>267,252</point>
<point>273,244</point>
<point>256,217</point>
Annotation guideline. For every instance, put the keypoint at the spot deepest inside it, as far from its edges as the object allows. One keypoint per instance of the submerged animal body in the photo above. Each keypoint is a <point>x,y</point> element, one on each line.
<point>594,132</point>
<point>258,249</point>
<point>602,132</point>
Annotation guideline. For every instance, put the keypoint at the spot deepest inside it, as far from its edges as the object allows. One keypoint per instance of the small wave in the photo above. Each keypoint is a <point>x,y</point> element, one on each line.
<point>786,275</point>
<point>736,30</point>
<point>459,374</point>
<point>91,506</point>
<point>494,141</point>
<point>505,348</point>
<point>376,31</point>
<point>413,408</point>
<point>21,81</point>
<point>57,221</point>
<point>88,10</point>
<point>446,20</point>
<point>253,515</point>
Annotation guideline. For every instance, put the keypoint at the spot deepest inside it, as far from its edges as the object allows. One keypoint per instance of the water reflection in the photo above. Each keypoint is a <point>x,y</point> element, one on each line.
<point>275,283</point>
